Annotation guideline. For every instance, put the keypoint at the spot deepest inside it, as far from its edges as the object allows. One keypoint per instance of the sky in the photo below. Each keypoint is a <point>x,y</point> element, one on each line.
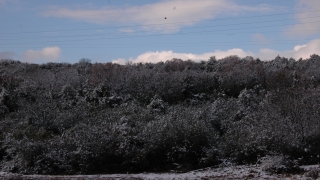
<point>118,31</point>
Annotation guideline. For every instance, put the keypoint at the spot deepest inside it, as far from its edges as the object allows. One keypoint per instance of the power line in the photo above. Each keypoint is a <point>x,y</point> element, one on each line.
<point>189,33</point>
<point>215,33</point>
<point>150,11</point>
<point>177,43</point>
<point>190,44</point>
<point>166,29</point>
<point>146,25</point>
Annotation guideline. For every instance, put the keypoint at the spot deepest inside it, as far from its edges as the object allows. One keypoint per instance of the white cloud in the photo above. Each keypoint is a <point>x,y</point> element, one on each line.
<point>299,51</point>
<point>179,13</point>
<point>159,56</point>
<point>259,38</point>
<point>125,30</point>
<point>45,54</point>
<point>6,55</point>
<point>119,61</point>
<point>298,47</point>
<point>311,8</point>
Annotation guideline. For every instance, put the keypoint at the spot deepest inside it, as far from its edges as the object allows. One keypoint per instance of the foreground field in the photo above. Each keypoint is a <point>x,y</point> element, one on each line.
<point>233,172</point>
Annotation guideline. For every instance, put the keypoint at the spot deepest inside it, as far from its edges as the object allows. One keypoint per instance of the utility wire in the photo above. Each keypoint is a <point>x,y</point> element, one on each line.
<point>86,35</point>
<point>171,43</point>
<point>177,43</point>
<point>134,44</point>
<point>185,45</point>
<point>189,33</point>
<point>146,25</point>
<point>167,9</point>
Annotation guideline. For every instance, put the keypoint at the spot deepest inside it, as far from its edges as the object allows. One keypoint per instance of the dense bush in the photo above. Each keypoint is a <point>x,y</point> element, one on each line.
<point>280,164</point>
<point>84,118</point>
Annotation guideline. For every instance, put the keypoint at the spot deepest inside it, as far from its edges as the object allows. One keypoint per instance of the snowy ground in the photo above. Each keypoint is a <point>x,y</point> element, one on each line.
<point>235,172</point>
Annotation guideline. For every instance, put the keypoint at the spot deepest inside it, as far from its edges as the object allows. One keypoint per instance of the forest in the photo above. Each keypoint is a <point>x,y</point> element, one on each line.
<point>95,118</point>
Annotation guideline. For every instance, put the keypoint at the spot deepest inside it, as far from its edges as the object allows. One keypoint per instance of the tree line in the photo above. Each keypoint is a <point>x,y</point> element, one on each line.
<point>90,118</point>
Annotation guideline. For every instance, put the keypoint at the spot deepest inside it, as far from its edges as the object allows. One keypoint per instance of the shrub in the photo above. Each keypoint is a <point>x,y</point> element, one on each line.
<point>280,164</point>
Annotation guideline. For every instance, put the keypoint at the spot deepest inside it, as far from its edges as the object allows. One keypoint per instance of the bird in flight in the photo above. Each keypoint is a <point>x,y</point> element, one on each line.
<point>165,17</point>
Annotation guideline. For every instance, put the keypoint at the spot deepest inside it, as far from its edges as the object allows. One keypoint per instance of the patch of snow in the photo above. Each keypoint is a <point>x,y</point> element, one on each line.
<point>232,172</point>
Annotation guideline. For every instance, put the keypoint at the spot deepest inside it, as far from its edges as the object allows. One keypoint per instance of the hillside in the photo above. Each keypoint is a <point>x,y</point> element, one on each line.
<point>98,118</point>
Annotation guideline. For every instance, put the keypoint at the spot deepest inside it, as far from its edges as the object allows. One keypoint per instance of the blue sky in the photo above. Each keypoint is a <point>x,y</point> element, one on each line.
<point>118,31</point>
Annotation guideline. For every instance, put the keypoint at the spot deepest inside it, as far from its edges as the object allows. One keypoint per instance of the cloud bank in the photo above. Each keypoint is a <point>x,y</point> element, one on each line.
<point>46,54</point>
<point>7,55</point>
<point>179,13</point>
<point>298,51</point>
<point>311,8</point>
